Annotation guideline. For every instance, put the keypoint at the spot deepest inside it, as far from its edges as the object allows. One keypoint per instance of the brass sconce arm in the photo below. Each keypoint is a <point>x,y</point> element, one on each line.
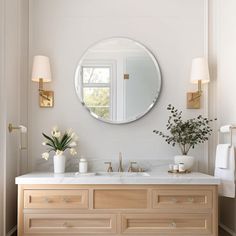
<point>194,98</point>
<point>46,98</point>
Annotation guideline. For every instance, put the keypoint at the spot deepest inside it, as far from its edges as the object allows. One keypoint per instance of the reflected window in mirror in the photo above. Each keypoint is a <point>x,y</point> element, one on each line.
<point>96,89</point>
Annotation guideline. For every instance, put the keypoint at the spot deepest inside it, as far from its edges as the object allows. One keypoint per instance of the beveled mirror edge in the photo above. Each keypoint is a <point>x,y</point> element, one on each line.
<point>78,83</point>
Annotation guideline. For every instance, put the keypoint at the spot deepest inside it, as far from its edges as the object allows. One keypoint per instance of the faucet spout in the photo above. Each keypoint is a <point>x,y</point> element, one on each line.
<point>120,168</point>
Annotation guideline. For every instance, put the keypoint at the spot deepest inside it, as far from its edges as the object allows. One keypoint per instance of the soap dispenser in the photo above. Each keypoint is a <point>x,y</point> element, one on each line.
<point>83,165</point>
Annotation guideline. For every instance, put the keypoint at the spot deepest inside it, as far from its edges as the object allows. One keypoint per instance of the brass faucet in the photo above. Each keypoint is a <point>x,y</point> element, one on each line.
<point>120,168</point>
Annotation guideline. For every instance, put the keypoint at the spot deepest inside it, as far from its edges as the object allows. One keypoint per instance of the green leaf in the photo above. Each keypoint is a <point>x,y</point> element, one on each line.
<point>49,145</point>
<point>57,144</point>
<point>67,144</point>
<point>47,137</point>
<point>50,139</point>
<point>64,139</point>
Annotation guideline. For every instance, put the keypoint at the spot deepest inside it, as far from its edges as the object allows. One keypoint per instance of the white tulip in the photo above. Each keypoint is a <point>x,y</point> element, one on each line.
<point>73,152</point>
<point>59,152</point>
<point>73,144</point>
<point>57,134</point>
<point>45,155</point>
<point>55,128</point>
<point>44,143</point>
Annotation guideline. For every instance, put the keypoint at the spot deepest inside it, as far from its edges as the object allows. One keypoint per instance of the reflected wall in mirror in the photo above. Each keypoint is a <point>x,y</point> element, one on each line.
<point>118,80</point>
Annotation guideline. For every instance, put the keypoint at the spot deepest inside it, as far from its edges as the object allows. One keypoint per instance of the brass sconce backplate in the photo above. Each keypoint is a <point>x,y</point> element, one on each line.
<point>46,99</point>
<point>193,100</point>
<point>126,76</point>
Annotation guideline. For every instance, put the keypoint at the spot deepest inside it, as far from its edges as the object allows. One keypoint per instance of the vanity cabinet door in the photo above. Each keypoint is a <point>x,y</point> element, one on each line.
<point>69,224</point>
<point>181,199</point>
<point>170,224</point>
<point>46,199</point>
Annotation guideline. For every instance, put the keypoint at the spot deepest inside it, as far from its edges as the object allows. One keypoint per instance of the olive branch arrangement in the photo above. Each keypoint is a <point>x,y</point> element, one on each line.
<point>187,134</point>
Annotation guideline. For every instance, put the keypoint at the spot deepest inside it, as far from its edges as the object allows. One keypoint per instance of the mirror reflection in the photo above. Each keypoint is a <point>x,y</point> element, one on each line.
<point>118,80</point>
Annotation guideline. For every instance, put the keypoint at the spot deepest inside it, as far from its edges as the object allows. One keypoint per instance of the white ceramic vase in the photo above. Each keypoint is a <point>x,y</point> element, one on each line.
<point>188,161</point>
<point>59,164</point>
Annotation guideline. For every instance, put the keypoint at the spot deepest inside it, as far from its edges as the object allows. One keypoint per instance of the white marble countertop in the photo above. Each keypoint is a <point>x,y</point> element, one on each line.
<point>162,177</point>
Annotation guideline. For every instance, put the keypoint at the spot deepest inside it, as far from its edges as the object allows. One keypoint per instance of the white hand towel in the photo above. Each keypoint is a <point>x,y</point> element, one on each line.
<point>222,156</point>
<point>227,176</point>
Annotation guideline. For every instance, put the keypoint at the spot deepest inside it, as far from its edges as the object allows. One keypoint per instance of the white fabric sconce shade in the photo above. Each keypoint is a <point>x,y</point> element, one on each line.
<point>200,71</point>
<point>41,72</point>
<point>41,69</point>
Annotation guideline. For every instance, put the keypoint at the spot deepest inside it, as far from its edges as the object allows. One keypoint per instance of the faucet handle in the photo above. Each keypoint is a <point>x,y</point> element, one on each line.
<point>141,169</point>
<point>109,167</point>
<point>131,166</point>
<point>133,163</point>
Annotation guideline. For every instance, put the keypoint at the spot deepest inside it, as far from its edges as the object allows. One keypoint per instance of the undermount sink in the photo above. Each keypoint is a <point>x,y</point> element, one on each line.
<point>123,174</point>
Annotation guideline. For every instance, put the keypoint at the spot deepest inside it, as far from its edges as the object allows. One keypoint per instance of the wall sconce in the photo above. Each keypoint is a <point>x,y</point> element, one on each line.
<point>199,75</point>
<point>41,73</point>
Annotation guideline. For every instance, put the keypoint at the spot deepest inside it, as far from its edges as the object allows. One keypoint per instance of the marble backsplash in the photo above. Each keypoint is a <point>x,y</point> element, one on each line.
<point>97,164</point>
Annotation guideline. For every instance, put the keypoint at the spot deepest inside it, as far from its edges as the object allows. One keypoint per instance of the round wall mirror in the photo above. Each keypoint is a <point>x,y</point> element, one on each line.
<point>118,80</point>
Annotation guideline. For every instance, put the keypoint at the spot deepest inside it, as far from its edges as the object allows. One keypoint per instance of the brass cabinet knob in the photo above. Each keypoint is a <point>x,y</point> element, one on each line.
<point>66,224</point>
<point>190,199</point>
<point>47,200</point>
<point>173,225</point>
<point>174,200</point>
<point>65,199</point>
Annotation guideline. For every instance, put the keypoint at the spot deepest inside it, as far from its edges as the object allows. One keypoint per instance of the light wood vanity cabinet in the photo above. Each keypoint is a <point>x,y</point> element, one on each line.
<point>117,210</point>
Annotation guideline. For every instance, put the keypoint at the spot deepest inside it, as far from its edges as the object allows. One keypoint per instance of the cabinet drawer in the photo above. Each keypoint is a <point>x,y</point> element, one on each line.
<point>182,199</point>
<point>120,199</point>
<point>69,223</point>
<point>45,199</point>
<point>189,224</point>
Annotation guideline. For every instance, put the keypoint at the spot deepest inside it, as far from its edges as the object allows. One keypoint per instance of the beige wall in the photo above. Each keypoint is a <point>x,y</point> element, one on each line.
<point>172,29</point>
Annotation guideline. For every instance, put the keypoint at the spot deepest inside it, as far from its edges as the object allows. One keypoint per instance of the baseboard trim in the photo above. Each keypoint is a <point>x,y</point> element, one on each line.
<point>12,231</point>
<point>227,229</point>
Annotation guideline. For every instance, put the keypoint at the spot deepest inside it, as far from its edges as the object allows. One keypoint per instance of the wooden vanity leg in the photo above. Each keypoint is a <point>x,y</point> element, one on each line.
<point>215,211</point>
<point>20,220</point>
